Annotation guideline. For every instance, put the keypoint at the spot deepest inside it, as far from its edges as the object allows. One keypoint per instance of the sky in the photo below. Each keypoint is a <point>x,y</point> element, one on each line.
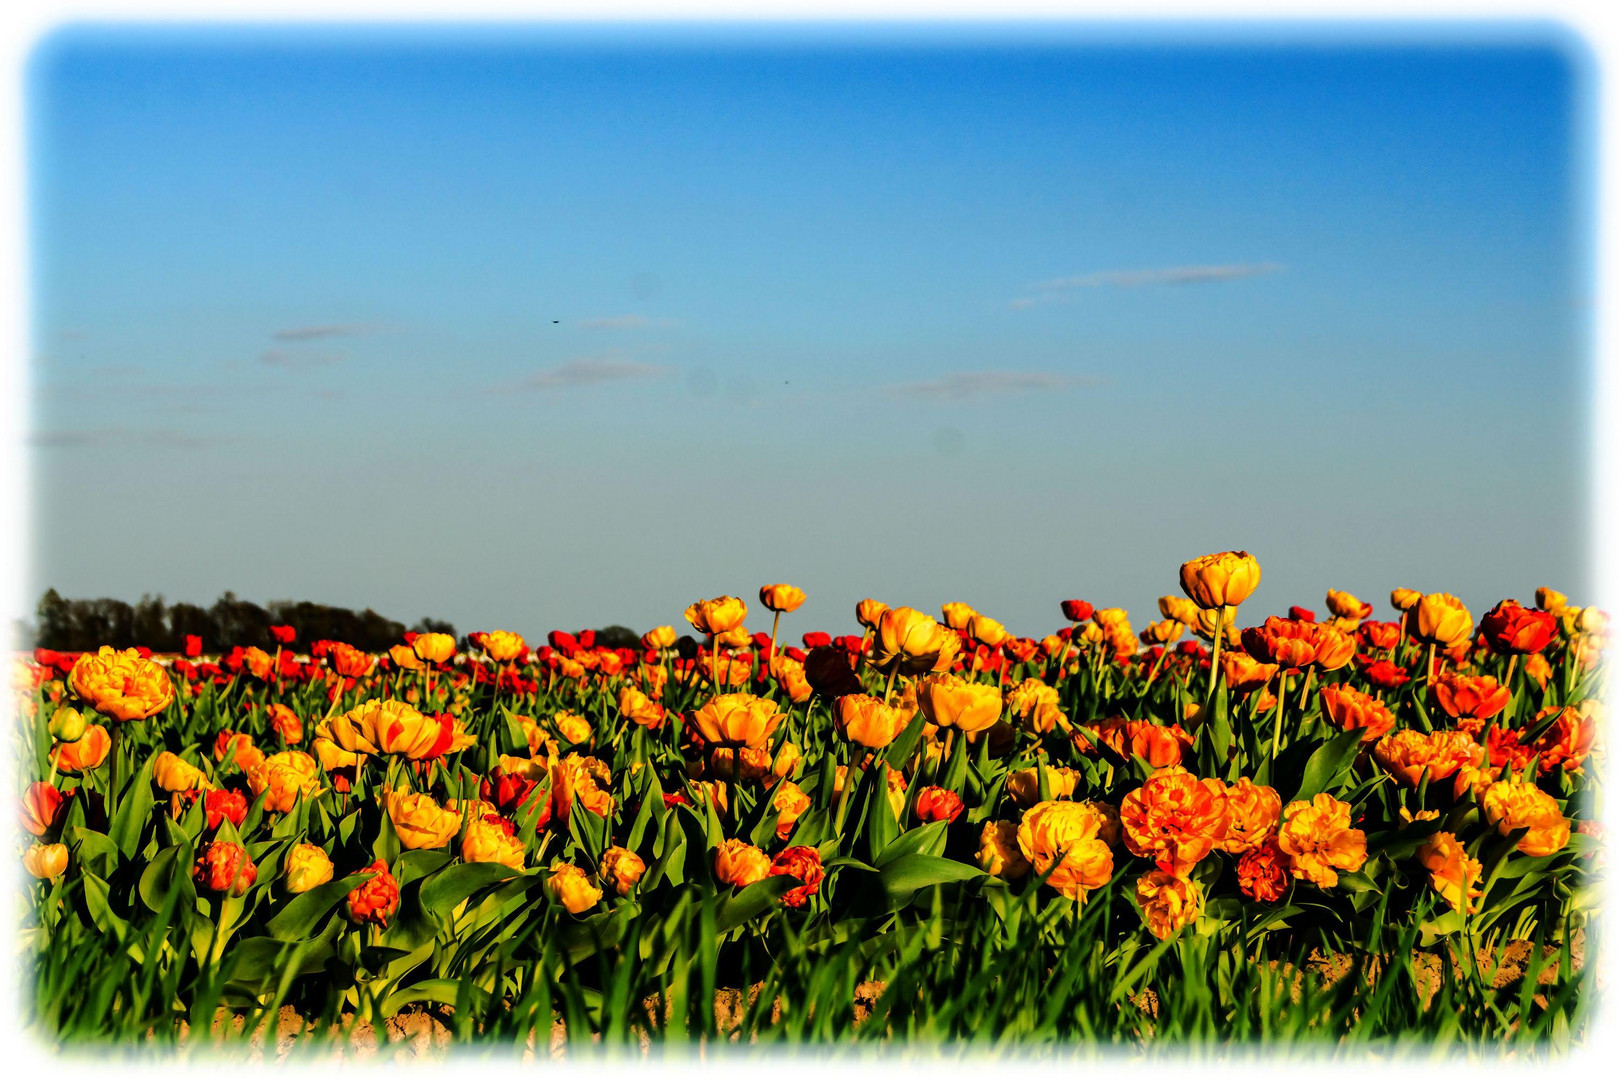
<point>553,327</point>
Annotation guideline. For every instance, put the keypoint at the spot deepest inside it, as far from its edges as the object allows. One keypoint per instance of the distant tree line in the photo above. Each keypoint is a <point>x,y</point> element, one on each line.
<point>79,625</point>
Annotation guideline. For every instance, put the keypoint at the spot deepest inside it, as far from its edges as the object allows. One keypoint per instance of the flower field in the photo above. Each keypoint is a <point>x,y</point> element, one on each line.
<point>1331,832</point>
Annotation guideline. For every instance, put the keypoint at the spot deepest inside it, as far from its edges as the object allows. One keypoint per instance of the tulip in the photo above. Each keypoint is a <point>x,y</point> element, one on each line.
<point>1346,606</point>
<point>46,861</point>
<point>957,615</point>
<point>869,611</point>
<point>621,868</point>
<point>952,702</point>
<point>434,648</point>
<point>306,866</point>
<point>121,685</point>
<point>375,900</point>
<point>224,867</point>
<point>740,864</point>
<point>1225,579</point>
<point>717,616</point>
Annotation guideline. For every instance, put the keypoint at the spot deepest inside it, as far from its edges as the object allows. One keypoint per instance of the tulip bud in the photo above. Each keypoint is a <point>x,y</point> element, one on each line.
<point>46,861</point>
<point>621,868</point>
<point>306,867</point>
<point>67,724</point>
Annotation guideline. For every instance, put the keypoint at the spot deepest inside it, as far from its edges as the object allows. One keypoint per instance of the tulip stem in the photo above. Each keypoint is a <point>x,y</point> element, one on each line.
<point>1276,724</point>
<point>1428,672</point>
<point>714,664</point>
<point>1513,660</point>
<point>889,687</point>
<point>775,622</point>
<point>1215,652</point>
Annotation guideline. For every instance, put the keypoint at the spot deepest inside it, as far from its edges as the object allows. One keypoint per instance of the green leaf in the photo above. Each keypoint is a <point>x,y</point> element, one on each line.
<point>908,873</point>
<point>754,900</point>
<point>303,911</point>
<point>1324,764</point>
<point>905,743</point>
<point>130,819</point>
<point>454,884</point>
<point>926,839</point>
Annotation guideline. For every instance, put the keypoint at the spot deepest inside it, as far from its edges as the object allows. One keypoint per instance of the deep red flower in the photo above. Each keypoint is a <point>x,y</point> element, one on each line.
<point>193,646</point>
<point>563,642</point>
<point>1301,614</point>
<point>1379,635</point>
<point>1076,611</point>
<point>804,864</point>
<point>1510,628</point>
<point>816,640</point>
<point>1383,674</point>
<point>938,804</point>
<point>284,635</point>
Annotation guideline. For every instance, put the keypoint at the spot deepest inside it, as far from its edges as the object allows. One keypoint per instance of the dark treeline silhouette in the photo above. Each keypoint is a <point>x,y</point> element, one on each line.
<point>79,625</point>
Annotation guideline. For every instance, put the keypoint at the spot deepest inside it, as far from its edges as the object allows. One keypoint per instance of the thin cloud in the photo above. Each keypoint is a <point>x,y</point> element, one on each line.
<point>625,322</point>
<point>973,385</point>
<point>591,372</point>
<point>1056,289</point>
<point>71,439</point>
<point>325,330</point>
<point>296,361</point>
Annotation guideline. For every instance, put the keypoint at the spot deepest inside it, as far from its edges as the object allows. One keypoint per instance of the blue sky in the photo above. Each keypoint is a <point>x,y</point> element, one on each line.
<point>536,327</point>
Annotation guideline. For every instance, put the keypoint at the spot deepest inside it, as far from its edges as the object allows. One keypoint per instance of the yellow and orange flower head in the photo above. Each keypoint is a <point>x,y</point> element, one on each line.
<point>740,864</point>
<point>1511,804</point>
<point>738,720</point>
<point>434,648</point>
<point>420,822</point>
<point>1244,673</point>
<point>1179,608</point>
<point>659,637</point>
<point>305,867</point>
<point>332,756</point>
<point>1441,619</point>
<point>1163,632</point>
<point>1158,744</point>
<point>1408,755</point>
<point>1470,699</point>
<point>1453,874</point>
<point>638,708</point>
<point>173,773</point>
<point>735,638</point>
<point>87,752</point>
<point>1167,902</point>
<point>869,611</point>
<point>1551,600</point>
<point>864,719</point>
<point>42,807</point>
<point>503,646</point>
<point>1334,648</point>
<point>1224,579</point>
<point>1568,739</point>
<point>1027,695</point>
<point>285,722</point>
<point>487,839</point>
<point>405,658</point>
<point>620,868</point>
<point>1262,872</point>
<point>986,631</point>
<point>1353,710</point>
<point>1253,813</point>
<point>46,861</point>
<point>580,779</point>
<point>350,662</point>
<point>790,803</point>
<point>911,640</point>
<point>951,701</point>
<point>957,615</point>
<point>1024,785</point>
<point>789,674</point>
<point>1066,839</point>
<point>571,887</point>
<point>1203,624</point>
<point>1288,643</point>
<point>781,598</point>
<point>1404,599</point>
<point>1317,839</point>
<point>283,777</point>
<point>259,663</point>
<point>1346,606</point>
<point>571,727</point>
<point>999,854</point>
<point>718,615</point>
<point>238,747</point>
<point>121,685</point>
<point>1174,818</point>
<point>393,727</point>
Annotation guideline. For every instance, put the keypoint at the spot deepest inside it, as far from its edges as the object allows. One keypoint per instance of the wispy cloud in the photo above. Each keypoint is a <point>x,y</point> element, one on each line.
<point>592,372</point>
<point>298,361</point>
<point>326,330</point>
<point>625,322</point>
<point>973,385</point>
<point>72,439</point>
<point>1057,289</point>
